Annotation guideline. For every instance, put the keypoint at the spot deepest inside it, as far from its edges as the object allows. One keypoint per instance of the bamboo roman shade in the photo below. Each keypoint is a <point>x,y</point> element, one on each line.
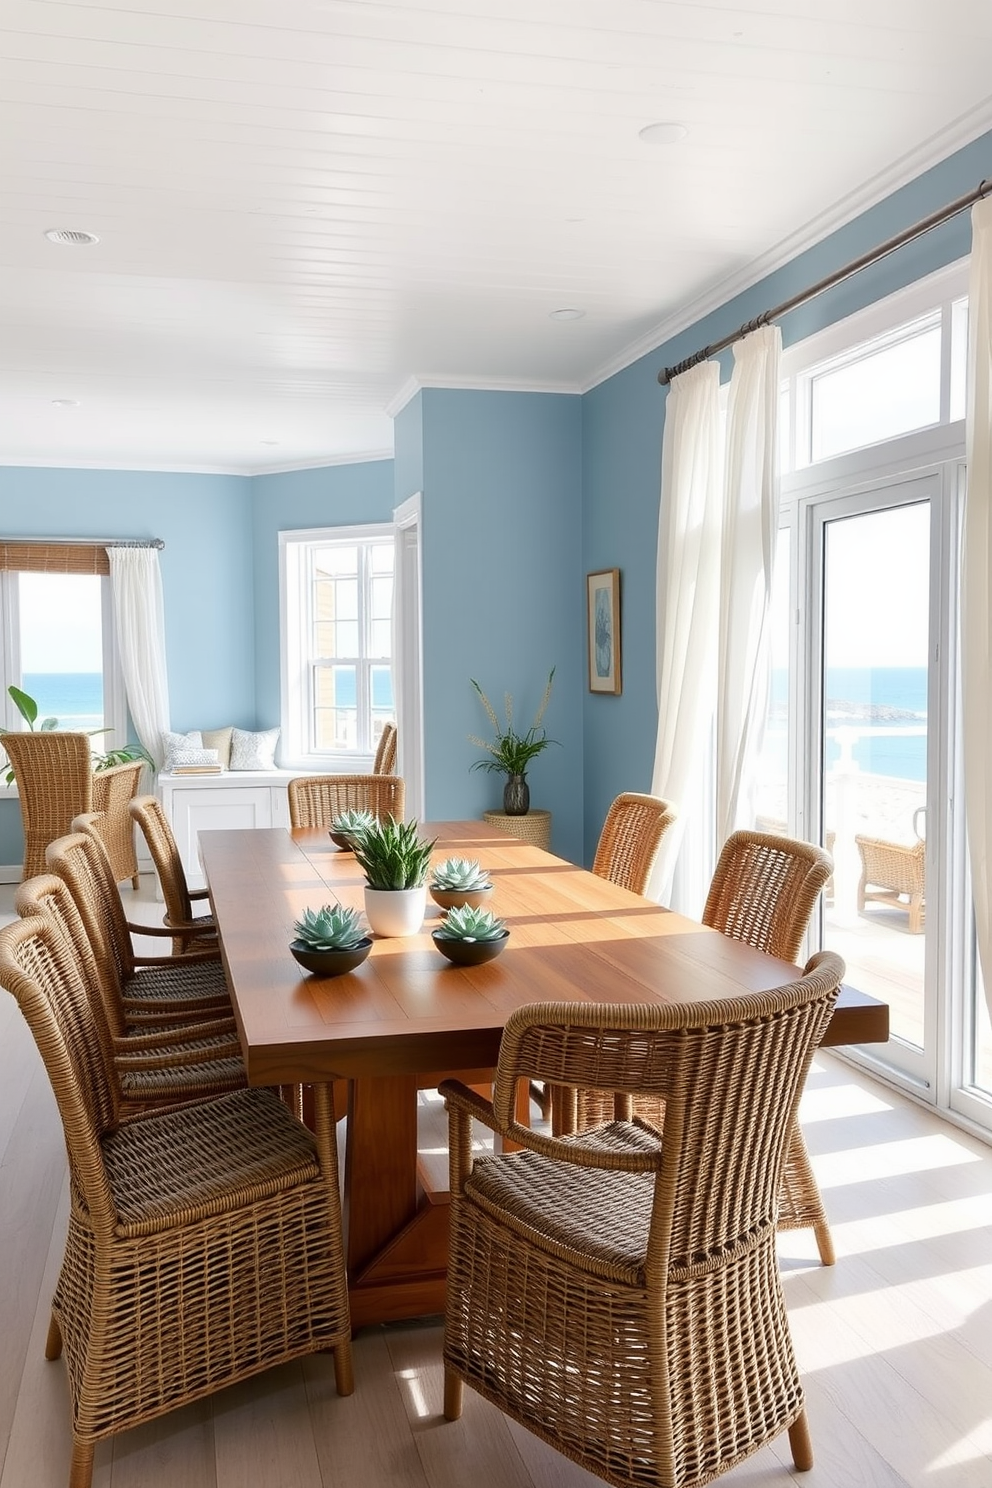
<point>53,557</point>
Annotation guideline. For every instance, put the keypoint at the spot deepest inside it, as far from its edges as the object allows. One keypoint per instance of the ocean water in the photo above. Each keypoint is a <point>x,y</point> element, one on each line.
<point>74,698</point>
<point>885,699</point>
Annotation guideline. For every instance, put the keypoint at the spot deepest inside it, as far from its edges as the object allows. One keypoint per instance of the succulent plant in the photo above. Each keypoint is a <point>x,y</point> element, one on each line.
<point>392,855</point>
<point>461,874</point>
<point>466,923</point>
<point>347,823</point>
<point>332,928</point>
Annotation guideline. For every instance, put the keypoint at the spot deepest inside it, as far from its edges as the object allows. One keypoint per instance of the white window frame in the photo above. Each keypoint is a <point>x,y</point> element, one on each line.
<point>935,451</point>
<point>12,672</point>
<point>296,750</point>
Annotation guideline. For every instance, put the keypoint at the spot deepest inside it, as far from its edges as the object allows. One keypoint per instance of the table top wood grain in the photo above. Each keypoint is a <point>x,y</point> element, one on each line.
<point>406,1010</point>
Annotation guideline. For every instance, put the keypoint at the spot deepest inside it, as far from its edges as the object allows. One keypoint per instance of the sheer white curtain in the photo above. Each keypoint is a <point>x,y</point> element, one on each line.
<point>688,576</point>
<point>139,615</point>
<point>976,585</point>
<point>750,527</point>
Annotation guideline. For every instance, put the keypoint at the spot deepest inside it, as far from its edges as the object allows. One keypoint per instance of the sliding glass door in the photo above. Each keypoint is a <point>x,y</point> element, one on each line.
<point>870,682</point>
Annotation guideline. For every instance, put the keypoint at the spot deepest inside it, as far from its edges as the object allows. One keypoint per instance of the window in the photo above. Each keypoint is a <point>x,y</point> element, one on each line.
<point>864,675</point>
<point>337,681</point>
<point>58,638</point>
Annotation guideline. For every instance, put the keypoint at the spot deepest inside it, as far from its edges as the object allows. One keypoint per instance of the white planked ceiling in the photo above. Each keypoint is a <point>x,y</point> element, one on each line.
<point>302,205</point>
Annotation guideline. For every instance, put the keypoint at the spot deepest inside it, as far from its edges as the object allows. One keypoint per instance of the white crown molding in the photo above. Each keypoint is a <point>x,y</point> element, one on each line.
<point>245,472</point>
<point>51,463</point>
<point>471,384</point>
<point>402,397</point>
<point>937,149</point>
<point>362,457</point>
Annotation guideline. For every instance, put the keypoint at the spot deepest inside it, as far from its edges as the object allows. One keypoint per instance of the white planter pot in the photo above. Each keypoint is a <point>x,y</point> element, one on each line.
<point>396,911</point>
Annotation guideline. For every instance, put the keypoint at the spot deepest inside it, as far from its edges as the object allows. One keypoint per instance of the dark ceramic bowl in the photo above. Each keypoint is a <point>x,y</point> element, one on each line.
<point>469,952</point>
<point>340,839</point>
<point>455,898</point>
<point>330,963</point>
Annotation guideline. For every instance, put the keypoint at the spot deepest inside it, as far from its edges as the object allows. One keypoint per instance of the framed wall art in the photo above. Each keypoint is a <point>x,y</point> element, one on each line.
<point>603,625</point>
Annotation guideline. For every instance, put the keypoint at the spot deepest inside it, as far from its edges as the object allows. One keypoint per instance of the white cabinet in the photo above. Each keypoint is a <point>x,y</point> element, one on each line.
<point>236,799</point>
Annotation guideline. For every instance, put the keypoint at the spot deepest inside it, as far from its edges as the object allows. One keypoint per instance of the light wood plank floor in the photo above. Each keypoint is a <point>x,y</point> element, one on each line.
<point>895,1341</point>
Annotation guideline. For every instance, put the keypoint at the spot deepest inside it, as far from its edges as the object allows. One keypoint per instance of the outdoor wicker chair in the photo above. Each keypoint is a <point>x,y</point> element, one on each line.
<point>618,1293</point>
<point>150,1069</point>
<point>385,755</point>
<point>315,800</point>
<point>55,782</point>
<point>894,873</point>
<point>763,893</point>
<point>204,1243</point>
<point>153,989</point>
<point>630,839</point>
<point>191,930</point>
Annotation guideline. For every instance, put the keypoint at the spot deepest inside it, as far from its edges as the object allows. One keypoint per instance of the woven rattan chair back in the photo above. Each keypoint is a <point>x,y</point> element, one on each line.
<point>315,800</point>
<point>150,816</point>
<point>54,778</point>
<point>81,861</point>
<point>49,896</point>
<point>619,1293</point>
<point>385,755</point>
<point>764,889</point>
<point>630,839</point>
<point>113,791</point>
<point>204,1241</point>
<point>38,965</point>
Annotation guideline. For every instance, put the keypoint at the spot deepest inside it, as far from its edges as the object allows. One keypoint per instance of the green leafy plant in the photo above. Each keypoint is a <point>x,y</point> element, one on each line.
<point>347,823</point>
<point>468,924</point>
<point>392,855</point>
<point>511,751</point>
<point>28,709</point>
<point>331,928</point>
<point>460,874</point>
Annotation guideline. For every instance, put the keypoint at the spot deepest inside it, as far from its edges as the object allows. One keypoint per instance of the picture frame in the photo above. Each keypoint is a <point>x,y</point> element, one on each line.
<point>603,630</point>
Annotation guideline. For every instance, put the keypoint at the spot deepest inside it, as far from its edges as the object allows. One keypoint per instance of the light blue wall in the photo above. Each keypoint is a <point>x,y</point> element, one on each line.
<point>334,496</point>
<point>502,588</point>
<point>522,494</point>
<point>205,522</point>
<point>623,422</point>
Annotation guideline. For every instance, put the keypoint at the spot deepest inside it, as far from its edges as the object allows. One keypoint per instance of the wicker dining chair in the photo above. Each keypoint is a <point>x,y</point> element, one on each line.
<point>616,1292</point>
<point>191,930</point>
<point>151,1069</point>
<point>630,839</point>
<point>385,755</point>
<point>315,800</point>
<point>55,783</point>
<point>204,1243</point>
<point>152,989</point>
<point>763,893</point>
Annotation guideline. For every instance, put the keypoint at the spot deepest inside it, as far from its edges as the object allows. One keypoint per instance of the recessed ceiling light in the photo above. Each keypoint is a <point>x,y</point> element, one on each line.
<point>663,134</point>
<point>65,402</point>
<point>566,314</point>
<point>72,235</point>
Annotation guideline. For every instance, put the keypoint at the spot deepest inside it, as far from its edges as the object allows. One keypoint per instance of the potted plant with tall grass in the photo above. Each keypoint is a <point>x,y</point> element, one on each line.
<point>511,752</point>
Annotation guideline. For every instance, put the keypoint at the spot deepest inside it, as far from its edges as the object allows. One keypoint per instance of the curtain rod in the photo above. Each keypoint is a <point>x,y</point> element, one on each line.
<point>874,256</point>
<point>92,542</point>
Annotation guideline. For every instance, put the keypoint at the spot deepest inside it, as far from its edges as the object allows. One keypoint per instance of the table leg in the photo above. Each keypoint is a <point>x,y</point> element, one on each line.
<point>396,1235</point>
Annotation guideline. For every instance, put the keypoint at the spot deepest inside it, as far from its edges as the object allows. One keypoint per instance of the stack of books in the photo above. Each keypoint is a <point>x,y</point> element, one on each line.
<point>196,762</point>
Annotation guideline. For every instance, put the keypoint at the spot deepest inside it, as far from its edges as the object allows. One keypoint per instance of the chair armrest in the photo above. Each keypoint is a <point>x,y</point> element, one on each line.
<point>464,1105</point>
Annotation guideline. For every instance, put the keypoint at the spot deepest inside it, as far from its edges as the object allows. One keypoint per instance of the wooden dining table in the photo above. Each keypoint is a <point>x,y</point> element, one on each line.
<point>407,1017</point>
